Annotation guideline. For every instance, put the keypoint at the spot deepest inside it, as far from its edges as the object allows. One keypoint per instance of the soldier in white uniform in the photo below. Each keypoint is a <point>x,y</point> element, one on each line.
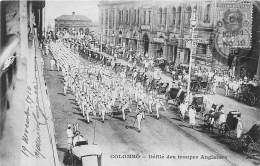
<point>103,111</point>
<point>87,110</point>
<point>158,106</point>
<point>52,61</point>
<point>125,106</point>
<point>139,117</point>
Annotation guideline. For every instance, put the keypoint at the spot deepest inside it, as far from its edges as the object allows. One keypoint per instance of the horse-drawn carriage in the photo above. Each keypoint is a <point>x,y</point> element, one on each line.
<point>226,125</point>
<point>249,94</point>
<point>161,63</point>
<point>198,104</point>
<point>82,153</point>
<point>251,141</point>
<point>175,96</point>
<point>200,84</point>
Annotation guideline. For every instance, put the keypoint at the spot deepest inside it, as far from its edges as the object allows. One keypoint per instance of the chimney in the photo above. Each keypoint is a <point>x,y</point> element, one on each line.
<point>73,13</point>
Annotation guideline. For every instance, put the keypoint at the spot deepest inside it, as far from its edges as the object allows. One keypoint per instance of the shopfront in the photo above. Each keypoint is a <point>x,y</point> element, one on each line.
<point>145,43</point>
<point>159,44</point>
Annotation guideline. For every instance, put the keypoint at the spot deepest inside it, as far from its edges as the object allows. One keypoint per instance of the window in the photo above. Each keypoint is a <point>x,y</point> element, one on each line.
<point>160,16</point>
<point>144,20</point>
<point>122,17</point>
<point>165,16</point>
<point>188,16</point>
<point>129,17</point>
<point>126,17</point>
<point>179,16</point>
<point>106,19</point>
<point>173,15</point>
<point>207,14</point>
<point>135,16</point>
<point>138,15</point>
<point>149,18</point>
<point>119,15</point>
<point>102,18</point>
<point>113,18</point>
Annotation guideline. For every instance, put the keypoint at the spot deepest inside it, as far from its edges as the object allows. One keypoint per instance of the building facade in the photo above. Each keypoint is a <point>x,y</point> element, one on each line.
<point>159,29</point>
<point>163,29</point>
<point>73,23</point>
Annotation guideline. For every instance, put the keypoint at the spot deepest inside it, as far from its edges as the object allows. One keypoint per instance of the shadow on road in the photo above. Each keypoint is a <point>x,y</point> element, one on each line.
<point>182,125</point>
<point>72,100</point>
<point>76,113</point>
<point>131,127</point>
<point>118,118</point>
<point>177,119</point>
<point>85,121</point>
<point>74,103</point>
<point>61,94</point>
<point>77,108</point>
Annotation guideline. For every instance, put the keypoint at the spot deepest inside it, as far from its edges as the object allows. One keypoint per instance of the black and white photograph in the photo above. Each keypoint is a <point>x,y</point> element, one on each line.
<point>129,83</point>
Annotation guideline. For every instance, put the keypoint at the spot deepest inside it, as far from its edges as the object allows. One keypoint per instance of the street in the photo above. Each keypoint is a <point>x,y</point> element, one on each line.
<point>157,140</point>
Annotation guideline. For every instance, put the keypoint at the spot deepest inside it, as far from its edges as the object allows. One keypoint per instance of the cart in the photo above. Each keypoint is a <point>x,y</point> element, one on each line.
<point>250,141</point>
<point>84,153</point>
<point>229,127</point>
<point>171,95</point>
<point>198,104</point>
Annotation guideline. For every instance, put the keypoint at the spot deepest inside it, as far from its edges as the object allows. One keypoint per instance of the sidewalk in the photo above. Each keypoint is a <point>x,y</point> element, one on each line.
<point>38,144</point>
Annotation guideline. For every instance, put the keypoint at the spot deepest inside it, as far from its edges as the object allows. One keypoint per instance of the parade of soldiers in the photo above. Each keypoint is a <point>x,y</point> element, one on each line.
<point>98,90</point>
<point>102,86</point>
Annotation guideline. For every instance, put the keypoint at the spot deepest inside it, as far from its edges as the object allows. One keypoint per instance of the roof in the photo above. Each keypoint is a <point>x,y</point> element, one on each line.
<point>73,18</point>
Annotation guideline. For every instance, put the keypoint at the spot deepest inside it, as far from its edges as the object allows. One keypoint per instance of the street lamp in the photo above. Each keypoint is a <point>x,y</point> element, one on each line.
<point>193,26</point>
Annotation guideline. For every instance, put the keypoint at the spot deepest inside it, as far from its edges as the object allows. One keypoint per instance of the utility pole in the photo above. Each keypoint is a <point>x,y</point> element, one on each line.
<point>193,26</point>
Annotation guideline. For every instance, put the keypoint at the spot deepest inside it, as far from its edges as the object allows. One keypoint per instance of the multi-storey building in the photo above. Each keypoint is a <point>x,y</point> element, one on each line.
<point>163,29</point>
<point>73,22</point>
<point>157,27</point>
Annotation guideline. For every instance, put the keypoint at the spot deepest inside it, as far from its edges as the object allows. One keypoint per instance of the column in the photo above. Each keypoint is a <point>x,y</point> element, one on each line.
<point>165,51</point>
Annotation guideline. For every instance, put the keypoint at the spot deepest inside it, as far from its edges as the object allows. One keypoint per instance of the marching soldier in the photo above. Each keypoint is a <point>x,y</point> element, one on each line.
<point>124,107</point>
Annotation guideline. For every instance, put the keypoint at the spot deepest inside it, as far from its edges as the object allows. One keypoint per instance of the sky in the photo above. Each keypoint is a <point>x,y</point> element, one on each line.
<point>56,8</point>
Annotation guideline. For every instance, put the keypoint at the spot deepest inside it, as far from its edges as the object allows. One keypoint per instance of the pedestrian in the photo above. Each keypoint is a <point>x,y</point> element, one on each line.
<point>139,117</point>
<point>215,84</point>
<point>70,136</point>
<point>87,110</point>
<point>192,116</point>
<point>103,111</point>
<point>158,105</point>
<point>125,106</point>
<point>75,128</point>
<point>183,108</point>
<point>52,61</point>
<point>65,87</point>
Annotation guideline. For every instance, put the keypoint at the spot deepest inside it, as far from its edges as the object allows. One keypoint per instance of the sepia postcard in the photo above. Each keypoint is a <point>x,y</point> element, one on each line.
<point>129,83</point>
